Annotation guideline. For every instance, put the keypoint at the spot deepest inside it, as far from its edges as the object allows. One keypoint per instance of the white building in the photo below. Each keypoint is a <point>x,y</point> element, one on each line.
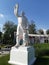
<point>36,38</point>
<point>39,38</point>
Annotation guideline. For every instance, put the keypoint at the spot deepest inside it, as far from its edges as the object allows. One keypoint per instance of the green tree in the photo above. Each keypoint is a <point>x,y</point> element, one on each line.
<point>0,37</point>
<point>0,34</point>
<point>41,31</point>
<point>9,29</point>
<point>47,31</point>
<point>32,28</point>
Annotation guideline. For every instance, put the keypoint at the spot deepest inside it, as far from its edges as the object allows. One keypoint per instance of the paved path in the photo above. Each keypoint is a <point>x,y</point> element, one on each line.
<point>3,53</point>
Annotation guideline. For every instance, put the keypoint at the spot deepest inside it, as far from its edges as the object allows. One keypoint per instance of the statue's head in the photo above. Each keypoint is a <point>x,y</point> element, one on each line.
<point>22,13</point>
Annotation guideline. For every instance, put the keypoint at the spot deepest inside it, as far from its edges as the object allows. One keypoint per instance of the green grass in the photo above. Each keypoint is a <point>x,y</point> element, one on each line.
<point>4,60</point>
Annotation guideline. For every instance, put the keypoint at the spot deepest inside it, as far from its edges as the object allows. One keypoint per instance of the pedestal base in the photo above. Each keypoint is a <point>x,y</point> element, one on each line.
<point>22,56</point>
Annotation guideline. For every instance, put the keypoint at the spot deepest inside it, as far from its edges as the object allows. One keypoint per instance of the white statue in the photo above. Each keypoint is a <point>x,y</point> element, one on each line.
<point>22,28</point>
<point>22,54</point>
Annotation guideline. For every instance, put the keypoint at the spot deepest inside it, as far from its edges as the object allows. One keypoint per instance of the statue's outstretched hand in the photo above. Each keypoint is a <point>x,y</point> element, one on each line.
<point>16,9</point>
<point>17,6</point>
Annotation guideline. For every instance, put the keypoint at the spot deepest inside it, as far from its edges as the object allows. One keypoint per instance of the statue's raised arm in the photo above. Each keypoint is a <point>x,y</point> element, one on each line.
<point>16,10</point>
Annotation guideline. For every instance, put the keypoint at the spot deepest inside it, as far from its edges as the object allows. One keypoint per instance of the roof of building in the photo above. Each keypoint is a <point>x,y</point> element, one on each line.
<point>38,35</point>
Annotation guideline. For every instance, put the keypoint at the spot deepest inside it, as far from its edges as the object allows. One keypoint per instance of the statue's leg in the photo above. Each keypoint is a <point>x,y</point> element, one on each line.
<point>17,37</point>
<point>25,39</point>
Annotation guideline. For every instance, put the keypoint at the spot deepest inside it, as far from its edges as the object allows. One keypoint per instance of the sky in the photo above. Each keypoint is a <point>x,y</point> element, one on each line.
<point>36,10</point>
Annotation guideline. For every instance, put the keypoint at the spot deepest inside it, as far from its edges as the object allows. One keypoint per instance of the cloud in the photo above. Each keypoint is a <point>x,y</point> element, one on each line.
<point>1,15</point>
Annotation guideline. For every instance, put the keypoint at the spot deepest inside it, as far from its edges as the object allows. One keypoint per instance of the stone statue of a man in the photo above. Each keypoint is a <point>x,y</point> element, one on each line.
<point>22,28</point>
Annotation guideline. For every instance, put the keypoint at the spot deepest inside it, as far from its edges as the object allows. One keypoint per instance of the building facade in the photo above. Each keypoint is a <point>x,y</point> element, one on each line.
<point>36,38</point>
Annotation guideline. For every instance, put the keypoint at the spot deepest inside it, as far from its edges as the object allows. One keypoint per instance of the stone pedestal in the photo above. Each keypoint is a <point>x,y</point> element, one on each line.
<point>22,56</point>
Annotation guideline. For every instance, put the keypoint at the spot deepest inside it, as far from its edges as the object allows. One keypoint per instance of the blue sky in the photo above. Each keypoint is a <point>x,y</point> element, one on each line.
<point>37,10</point>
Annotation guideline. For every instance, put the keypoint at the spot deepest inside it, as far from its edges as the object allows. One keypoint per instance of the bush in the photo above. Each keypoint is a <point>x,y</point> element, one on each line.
<point>41,49</point>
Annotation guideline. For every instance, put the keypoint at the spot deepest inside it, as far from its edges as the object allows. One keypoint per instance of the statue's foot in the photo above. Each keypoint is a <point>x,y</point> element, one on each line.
<point>17,45</point>
<point>25,44</point>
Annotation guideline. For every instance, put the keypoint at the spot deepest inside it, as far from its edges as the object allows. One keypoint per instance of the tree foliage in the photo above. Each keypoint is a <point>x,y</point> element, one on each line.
<point>41,31</point>
<point>0,37</point>
<point>0,34</point>
<point>47,31</point>
<point>32,28</point>
<point>9,29</point>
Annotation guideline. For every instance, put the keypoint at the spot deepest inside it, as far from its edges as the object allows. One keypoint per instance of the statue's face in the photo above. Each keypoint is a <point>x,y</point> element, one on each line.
<point>22,13</point>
